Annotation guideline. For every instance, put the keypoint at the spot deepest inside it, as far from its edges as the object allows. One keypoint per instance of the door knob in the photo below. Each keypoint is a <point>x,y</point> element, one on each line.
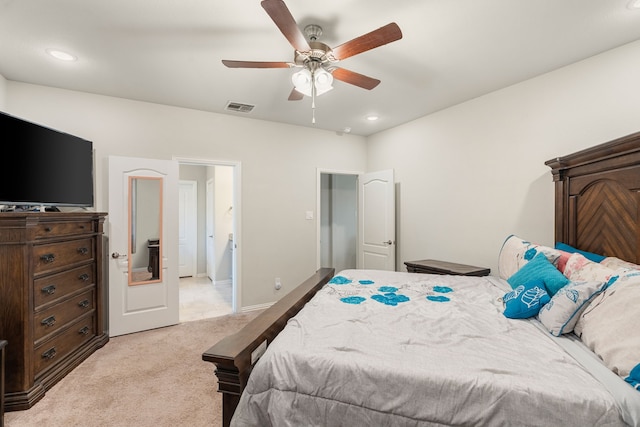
<point>388,242</point>
<point>116,255</point>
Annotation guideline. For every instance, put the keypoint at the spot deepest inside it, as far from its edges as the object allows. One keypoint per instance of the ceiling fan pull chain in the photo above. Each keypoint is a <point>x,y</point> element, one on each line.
<point>313,98</point>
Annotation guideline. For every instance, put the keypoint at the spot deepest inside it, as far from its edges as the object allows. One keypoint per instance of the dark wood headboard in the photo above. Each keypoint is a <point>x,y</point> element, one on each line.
<point>597,198</point>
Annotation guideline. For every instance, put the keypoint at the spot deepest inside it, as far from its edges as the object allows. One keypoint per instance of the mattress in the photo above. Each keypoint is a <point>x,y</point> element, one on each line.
<point>403,349</point>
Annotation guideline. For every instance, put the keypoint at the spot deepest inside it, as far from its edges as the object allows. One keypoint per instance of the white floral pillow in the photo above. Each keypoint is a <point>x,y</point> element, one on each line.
<point>560,314</point>
<point>618,264</point>
<point>517,252</point>
<point>580,269</point>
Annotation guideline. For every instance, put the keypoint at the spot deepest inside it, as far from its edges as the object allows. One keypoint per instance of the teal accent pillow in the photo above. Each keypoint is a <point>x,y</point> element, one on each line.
<point>525,300</point>
<point>539,268</point>
<point>588,255</point>
<point>634,377</point>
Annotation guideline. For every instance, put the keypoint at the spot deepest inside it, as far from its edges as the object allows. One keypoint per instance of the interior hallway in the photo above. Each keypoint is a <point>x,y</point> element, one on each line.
<point>201,299</point>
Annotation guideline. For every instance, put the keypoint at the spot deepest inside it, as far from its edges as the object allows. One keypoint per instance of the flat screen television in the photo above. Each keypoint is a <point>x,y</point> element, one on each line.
<point>43,167</point>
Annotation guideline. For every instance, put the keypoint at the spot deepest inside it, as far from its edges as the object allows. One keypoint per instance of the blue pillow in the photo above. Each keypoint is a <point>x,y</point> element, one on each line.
<point>539,268</point>
<point>634,377</point>
<point>588,255</point>
<point>525,300</point>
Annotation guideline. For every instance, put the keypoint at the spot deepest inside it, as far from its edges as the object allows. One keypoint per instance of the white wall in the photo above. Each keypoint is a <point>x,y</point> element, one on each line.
<point>278,163</point>
<point>3,93</point>
<point>470,175</point>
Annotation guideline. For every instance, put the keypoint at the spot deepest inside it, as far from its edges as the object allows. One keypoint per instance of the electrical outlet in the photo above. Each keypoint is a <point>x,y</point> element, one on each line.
<point>278,284</point>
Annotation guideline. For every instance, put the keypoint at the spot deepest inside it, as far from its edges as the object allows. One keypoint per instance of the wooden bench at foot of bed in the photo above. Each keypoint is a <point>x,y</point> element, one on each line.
<point>235,355</point>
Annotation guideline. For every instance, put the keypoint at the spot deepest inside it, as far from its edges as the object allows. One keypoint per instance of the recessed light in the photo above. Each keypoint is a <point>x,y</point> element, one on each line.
<point>372,117</point>
<point>634,4</point>
<point>63,56</point>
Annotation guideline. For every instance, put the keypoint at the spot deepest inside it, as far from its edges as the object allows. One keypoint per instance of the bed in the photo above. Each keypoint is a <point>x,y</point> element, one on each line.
<point>407,349</point>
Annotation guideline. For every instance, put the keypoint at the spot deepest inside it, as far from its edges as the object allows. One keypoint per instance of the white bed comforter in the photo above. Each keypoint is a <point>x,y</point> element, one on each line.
<point>427,350</point>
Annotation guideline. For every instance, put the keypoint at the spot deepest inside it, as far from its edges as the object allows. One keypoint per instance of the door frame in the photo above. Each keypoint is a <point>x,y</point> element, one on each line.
<point>319,173</point>
<point>236,268</point>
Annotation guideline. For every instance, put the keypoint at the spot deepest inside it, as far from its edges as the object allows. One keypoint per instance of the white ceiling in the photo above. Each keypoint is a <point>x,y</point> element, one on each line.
<point>170,51</point>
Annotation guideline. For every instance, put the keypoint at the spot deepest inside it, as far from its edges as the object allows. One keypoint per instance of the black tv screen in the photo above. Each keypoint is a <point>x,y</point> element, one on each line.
<point>43,167</point>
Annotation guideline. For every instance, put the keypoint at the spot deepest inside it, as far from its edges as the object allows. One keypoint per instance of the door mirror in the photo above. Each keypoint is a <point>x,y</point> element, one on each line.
<point>145,230</point>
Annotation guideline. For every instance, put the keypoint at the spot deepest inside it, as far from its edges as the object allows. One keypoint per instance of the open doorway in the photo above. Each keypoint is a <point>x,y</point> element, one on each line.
<point>338,219</point>
<point>211,288</point>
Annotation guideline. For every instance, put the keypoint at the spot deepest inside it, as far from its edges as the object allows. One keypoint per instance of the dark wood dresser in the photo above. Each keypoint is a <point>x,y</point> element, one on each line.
<point>3,344</point>
<point>432,266</point>
<point>53,298</point>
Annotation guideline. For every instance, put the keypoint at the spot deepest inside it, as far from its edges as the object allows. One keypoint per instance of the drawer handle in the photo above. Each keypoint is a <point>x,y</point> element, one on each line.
<point>84,277</point>
<point>47,229</point>
<point>49,290</point>
<point>83,251</point>
<point>49,321</point>
<point>82,227</point>
<point>48,258</point>
<point>49,354</point>
<point>84,331</point>
<point>84,303</point>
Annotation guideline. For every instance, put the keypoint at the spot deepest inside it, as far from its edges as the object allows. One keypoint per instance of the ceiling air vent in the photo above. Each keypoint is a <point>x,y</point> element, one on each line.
<point>239,108</point>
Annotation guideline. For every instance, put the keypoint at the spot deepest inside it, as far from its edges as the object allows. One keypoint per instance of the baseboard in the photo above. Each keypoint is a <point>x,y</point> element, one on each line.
<point>222,282</point>
<point>256,307</point>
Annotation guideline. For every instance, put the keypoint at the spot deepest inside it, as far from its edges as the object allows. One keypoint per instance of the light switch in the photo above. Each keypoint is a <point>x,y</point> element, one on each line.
<point>309,215</point>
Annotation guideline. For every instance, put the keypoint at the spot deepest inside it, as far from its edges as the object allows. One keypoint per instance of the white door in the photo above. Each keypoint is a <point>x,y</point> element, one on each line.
<point>210,247</point>
<point>145,295</point>
<point>376,221</point>
<point>187,228</point>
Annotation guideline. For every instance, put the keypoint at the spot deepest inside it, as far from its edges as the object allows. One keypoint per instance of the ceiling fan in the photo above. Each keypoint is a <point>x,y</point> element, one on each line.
<point>316,59</point>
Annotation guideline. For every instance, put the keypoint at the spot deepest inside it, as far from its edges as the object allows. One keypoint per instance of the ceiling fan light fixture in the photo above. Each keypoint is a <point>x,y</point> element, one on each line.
<point>323,81</point>
<point>320,78</point>
<point>302,81</point>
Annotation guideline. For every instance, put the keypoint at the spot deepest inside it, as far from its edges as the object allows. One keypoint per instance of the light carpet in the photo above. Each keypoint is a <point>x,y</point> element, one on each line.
<point>151,378</point>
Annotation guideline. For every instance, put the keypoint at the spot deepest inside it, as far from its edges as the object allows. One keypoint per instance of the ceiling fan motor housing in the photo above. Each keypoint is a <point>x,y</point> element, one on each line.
<point>320,53</point>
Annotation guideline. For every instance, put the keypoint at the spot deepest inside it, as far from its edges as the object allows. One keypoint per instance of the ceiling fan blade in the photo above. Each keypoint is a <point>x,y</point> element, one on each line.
<point>279,13</point>
<point>383,35</point>
<point>295,95</point>
<point>354,78</point>
<point>256,64</point>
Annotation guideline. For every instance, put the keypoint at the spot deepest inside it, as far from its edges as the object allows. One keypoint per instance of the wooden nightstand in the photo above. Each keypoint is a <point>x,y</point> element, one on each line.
<point>432,266</point>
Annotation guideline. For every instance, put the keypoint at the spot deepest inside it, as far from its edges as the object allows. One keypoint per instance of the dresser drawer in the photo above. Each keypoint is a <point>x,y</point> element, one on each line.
<point>59,315</point>
<point>50,352</point>
<point>61,229</point>
<point>58,255</point>
<point>56,286</point>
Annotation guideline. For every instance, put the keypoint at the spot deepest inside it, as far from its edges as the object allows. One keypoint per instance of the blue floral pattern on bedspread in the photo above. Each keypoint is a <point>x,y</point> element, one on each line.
<point>353,300</point>
<point>354,291</point>
<point>390,298</point>
<point>340,280</point>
